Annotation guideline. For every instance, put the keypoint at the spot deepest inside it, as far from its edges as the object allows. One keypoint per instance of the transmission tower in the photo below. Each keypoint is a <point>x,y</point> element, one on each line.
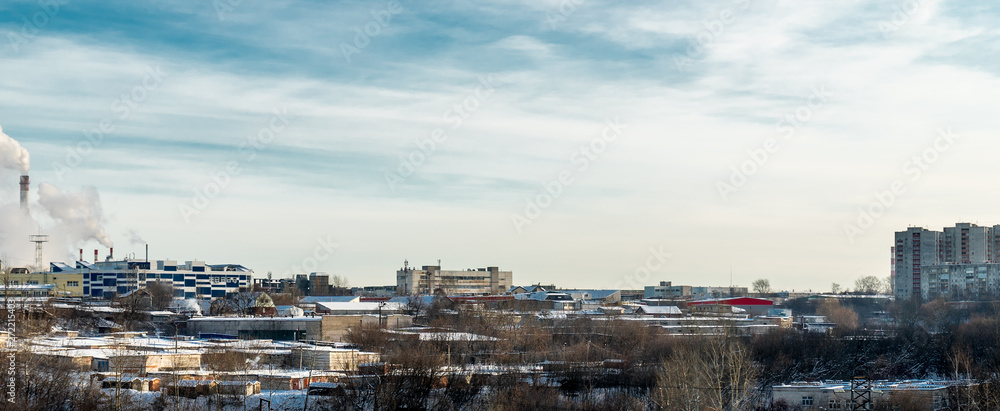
<point>38,240</point>
<point>862,379</point>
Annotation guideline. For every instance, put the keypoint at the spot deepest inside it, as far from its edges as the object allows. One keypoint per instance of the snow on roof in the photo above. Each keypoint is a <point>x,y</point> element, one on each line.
<point>198,319</point>
<point>455,336</point>
<point>330,299</point>
<point>661,309</point>
<point>906,385</point>
<point>370,306</point>
<point>594,294</point>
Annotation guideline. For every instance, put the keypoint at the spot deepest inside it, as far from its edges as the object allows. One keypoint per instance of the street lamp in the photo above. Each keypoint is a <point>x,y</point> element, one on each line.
<point>380,305</point>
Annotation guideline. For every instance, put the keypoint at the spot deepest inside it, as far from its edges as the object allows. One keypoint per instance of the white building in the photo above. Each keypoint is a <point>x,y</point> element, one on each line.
<point>191,280</point>
<point>482,281</point>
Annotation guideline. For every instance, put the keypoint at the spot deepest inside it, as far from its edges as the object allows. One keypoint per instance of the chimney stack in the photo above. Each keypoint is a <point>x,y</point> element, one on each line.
<point>95,255</point>
<point>81,254</point>
<point>111,254</point>
<point>24,193</point>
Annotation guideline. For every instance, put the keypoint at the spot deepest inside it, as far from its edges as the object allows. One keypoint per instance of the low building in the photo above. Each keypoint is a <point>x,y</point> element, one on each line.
<point>598,296</point>
<point>814,324</point>
<point>374,308</point>
<point>666,289</point>
<point>663,311</point>
<point>321,328</point>
<point>28,291</point>
<point>753,306</point>
<point>277,328</point>
<point>288,311</point>
<point>67,284</point>
<point>833,395</point>
<point>335,359</point>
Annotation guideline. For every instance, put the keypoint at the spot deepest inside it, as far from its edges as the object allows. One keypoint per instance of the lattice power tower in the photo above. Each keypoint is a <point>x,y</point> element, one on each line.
<point>38,240</point>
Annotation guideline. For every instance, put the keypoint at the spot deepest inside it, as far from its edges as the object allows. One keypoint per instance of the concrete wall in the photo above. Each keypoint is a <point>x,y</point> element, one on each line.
<point>233,326</point>
<point>336,327</point>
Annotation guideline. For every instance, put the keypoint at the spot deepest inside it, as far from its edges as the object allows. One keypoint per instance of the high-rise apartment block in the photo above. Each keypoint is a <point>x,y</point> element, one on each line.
<point>957,262</point>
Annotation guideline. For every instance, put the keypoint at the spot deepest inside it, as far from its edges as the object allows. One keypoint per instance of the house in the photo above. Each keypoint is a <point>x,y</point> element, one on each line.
<point>263,305</point>
<point>664,311</point>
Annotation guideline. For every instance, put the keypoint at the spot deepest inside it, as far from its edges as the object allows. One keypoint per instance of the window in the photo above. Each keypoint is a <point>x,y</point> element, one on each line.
<point>807,401</point>
<point>72,283</point>
<point>834,405</point>
<point>32,283</point>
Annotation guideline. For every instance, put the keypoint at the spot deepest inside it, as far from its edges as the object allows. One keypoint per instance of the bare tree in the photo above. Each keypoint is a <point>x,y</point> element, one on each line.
<point>716,372</point>
<point>869,285</point>
<point>762,286</point>
<point>845,318</point>
<point>160,294</point>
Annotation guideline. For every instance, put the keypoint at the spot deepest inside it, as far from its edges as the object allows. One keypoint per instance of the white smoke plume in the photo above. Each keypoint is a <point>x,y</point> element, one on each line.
<point>134,239</point>
<point>77,217</point>
<point>12,155</point>
<point>79,214</point>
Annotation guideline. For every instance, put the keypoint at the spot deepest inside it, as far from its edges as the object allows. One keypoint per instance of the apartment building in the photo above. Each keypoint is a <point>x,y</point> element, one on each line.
<point>959,260</point>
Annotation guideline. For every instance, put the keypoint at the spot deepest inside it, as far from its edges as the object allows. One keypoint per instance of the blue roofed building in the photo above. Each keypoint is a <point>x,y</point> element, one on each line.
<point>190,280</point>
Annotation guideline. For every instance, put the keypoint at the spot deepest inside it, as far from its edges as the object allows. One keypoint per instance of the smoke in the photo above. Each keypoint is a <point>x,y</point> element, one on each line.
<point>12,155</point>
<point>134,239</point>
<point>79,215</point>
<point>76,217</point>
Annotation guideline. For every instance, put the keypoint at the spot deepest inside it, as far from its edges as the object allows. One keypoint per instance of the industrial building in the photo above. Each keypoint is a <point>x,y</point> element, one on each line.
<point>667,290</point>
<point>64,284</point>
<point>190,280</point>
<point>427,279</point>
<point>321,328</point>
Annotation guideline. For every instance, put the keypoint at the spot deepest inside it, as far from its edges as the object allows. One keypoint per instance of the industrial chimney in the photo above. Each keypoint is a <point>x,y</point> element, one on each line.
<point>95,256</point>
<point>24,193</point>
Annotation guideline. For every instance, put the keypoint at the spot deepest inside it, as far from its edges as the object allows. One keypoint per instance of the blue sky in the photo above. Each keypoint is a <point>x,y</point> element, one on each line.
<point>540,81</point>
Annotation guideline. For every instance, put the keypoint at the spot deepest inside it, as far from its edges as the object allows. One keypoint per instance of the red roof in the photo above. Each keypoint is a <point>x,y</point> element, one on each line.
<point>734,301</point>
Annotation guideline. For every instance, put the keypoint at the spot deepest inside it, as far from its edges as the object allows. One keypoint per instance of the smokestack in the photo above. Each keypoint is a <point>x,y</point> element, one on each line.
<point>111,254</point>
<point>95,255</point>
<point>81,254</point>
<point>147,252</point>
<point>24,193</point>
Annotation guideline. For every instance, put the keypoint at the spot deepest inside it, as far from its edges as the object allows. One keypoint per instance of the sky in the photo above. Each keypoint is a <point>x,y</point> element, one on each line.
<point>583,143</point>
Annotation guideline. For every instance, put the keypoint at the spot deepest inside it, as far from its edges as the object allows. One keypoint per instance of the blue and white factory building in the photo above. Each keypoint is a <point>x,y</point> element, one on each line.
<point>192,279</point>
